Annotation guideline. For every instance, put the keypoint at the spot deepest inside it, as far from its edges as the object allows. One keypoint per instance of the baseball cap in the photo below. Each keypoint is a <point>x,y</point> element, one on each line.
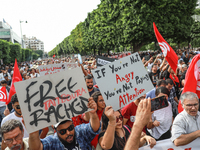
<point>57,124</point>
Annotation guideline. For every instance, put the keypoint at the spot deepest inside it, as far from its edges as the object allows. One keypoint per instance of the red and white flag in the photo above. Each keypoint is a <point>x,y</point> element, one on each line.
<point>192,79</point>
<point>16,78</point>
<point>3,94</point>
<point>168,52</point>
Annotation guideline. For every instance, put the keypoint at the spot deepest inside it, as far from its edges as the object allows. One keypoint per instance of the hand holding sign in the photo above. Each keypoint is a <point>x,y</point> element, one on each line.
<point>92,104</point>
<point>52,98</point>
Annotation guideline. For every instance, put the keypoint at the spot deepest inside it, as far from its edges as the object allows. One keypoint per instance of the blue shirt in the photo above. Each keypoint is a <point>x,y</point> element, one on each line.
<point>84,134</point>
<point>151,94</point>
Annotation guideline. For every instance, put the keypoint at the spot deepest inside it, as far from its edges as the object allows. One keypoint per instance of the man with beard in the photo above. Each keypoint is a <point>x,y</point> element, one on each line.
<point>89,83</point>
<point>12,133</point>
<point>17,115</point>
<point>67,136</point>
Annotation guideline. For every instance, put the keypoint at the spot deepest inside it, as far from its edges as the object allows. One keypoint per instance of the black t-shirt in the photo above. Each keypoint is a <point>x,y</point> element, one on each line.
<point>73,146</point>
<point>127,133</point>
<point>154,77</point>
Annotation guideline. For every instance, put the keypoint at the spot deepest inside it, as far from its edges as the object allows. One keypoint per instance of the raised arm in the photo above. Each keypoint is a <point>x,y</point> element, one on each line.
<point>107,141</point>
<point>143,115</point>
<point>34,141</point>
<point>162,65</point>
<point>94,119</point>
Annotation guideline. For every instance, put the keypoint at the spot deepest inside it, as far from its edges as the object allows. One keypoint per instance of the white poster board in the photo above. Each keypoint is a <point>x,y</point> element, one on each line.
<point>55,68</point>
<point>168,145</point>
<point>122,81</point>
<point>52,98</point>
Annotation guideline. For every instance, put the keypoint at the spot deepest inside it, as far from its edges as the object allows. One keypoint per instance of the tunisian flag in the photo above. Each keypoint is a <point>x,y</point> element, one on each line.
<point>168,52</point>
<point>3,94</point>
<point>192,79</point>
<point>16,78</point>
<point>54,55</point>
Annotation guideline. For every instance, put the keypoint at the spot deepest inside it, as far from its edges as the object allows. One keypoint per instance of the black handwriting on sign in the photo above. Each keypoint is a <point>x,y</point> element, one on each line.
<point>75,108</point>
<point>45,96</point>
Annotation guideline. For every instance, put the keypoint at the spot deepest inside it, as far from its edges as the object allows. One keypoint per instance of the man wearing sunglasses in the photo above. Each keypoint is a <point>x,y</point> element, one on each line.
<point>67,136</point>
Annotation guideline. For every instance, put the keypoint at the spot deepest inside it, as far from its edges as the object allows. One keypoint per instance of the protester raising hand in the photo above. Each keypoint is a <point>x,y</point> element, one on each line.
<point>92,105</point>
<point>143,116</point>
<point>109,112</point>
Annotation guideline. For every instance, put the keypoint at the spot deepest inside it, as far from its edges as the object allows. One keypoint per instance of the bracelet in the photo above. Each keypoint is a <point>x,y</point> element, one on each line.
<point>111,124</point>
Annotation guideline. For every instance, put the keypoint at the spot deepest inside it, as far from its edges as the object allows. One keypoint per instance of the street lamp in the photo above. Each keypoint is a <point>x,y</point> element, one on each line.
<point>21,31</point>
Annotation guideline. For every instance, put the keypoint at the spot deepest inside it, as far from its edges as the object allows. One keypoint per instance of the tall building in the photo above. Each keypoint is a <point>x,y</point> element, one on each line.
<point>7,33</point>
<point>33,43</point>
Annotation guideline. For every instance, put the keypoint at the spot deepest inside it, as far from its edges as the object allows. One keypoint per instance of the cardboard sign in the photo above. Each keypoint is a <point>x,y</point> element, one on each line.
<point>122,81</point>
<point>101,61</point>
<point>168,145</point>
<point>55,68</point>
<point>52,98</point>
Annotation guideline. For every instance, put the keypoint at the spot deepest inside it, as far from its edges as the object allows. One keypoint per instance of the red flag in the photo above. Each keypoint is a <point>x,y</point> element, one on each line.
<point>16,78</point>
<point>3,94</point>
<point>192,79</point>
<point>168,52</point>
<point>54,55</point>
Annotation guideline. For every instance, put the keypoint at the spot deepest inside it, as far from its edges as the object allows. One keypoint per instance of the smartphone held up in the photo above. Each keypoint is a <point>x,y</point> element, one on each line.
<point>159,103</point>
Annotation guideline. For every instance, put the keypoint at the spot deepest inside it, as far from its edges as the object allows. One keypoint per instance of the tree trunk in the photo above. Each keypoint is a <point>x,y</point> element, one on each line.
<point>94,52</point>
<point>108,51</point>
<point>131,47</point>
<point>136,47</point>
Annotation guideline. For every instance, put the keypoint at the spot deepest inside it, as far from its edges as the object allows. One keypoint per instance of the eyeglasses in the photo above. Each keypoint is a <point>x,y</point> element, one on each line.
<point>191,105</point>
<point>63,131</point>
<point>119,118</point>
<point>17,106</point>
<point>17,138</point>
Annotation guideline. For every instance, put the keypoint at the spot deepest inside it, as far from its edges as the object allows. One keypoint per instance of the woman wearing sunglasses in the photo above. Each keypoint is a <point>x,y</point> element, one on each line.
<point>114,135</point>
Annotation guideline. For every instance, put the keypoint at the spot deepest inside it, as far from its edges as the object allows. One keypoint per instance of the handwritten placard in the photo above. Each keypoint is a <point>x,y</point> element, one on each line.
<point>52,98</point>
<point>55,68</point>
<point>122,81</point>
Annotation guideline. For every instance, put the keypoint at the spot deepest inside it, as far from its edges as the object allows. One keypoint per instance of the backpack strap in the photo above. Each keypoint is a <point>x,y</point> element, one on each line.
<point>127,128</point>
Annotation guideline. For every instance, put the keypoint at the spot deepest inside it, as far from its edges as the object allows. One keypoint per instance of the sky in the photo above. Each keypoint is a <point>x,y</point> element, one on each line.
<point>48,20</point>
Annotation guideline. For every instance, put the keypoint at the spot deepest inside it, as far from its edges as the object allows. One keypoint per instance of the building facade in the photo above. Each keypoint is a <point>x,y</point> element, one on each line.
<point>33,43</point>
<point>6,33</point>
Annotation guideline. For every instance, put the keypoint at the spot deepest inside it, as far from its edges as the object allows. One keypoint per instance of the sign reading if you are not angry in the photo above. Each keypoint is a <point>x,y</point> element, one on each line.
<point>123,81</point>
<point>46,100</point>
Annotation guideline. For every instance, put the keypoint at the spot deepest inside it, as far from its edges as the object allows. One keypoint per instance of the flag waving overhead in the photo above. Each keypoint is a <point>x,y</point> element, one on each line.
<point>192,79</point>
<point>168,52</point>
<point>3,94</point>
<point>16,78</point>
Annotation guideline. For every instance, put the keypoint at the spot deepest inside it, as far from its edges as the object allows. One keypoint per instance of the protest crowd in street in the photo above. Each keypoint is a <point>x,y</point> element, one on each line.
<point>102,127</point>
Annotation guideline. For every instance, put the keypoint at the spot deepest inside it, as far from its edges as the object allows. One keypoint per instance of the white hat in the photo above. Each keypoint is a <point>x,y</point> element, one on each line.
<point>57,124</point>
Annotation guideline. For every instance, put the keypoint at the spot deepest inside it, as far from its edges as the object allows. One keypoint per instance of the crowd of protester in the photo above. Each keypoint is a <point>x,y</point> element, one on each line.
<point>103,128</point>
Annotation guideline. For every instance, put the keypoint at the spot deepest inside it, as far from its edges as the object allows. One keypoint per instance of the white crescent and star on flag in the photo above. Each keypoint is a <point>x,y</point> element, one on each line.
<point>164,47</point>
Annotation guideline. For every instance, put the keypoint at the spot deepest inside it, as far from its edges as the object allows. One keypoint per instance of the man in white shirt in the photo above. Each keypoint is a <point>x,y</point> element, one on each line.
<point>186,126</point>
